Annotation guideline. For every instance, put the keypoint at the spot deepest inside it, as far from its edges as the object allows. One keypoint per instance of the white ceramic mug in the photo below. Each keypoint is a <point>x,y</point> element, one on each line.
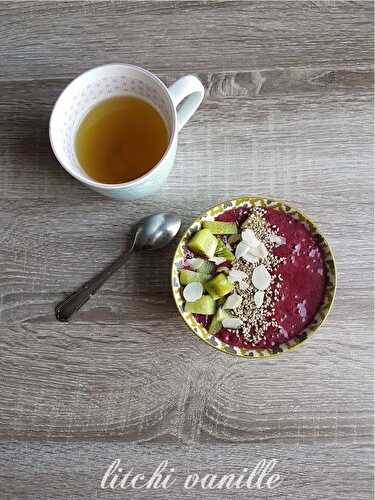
<point>111,80</point>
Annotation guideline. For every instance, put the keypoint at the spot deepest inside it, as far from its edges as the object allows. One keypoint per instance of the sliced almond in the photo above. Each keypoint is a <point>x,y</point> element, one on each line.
<point>233,301</point>
<point>232,323</point>
<point>250,258</point>
<point>193,291</point>
<point>248,236</point>
<point>195,263</point>
<point>218,260</point>
<point>258,298</point>
<point>237,275</point>
<point>260,251</point>
<point>261,278</point>
<point>241,249</point>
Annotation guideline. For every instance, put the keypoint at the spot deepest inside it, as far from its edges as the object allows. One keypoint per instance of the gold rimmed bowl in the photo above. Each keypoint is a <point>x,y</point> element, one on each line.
<point>320,316</point>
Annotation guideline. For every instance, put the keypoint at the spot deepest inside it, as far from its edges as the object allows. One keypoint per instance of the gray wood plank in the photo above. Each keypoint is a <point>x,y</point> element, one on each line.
<point>62,38</point>
<point>82,465</point>
<point>155,381</point>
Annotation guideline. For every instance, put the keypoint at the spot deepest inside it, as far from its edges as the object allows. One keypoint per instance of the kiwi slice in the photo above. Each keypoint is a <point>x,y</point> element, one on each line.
<point>207,267</point>
<point>203,242</point>
<point>223,251</point>
<point>187,276</point>
<point>218,286</point>
<point>204,305</point>
<point>219,227</point>
<point>216,322</point>
<point>200,265</point>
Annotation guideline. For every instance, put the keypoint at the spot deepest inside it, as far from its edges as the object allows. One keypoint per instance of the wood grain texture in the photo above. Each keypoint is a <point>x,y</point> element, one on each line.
<point>57,38</point>
<point>82,465</point>
<point>288,113</point>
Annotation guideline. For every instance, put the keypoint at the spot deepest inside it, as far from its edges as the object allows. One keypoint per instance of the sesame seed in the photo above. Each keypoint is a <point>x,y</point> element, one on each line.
<point>256,320</point>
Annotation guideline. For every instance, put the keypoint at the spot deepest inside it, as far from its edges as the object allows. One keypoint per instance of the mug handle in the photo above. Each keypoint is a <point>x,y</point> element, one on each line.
<point>189,88</point>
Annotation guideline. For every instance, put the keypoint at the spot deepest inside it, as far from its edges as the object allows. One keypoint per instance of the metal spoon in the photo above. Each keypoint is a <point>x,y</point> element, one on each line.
<point>151,233</point>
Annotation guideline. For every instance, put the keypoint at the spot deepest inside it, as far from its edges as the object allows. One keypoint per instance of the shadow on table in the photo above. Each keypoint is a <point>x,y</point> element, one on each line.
<point>139,295</point>
<point>150,299</point>
<point>30,163</point>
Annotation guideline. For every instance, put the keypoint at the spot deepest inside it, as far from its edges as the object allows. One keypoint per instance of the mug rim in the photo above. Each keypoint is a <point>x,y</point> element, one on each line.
<point>96,184</point>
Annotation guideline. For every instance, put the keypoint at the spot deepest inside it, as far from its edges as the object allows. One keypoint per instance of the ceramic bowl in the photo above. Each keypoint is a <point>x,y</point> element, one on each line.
<point>321,314</point>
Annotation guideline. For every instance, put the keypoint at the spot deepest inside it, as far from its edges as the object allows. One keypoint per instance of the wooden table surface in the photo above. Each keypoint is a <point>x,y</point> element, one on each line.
<point>288,113</point>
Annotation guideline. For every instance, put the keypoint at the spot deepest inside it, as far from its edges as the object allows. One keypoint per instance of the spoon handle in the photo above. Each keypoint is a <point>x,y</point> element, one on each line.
<point>75,300</point>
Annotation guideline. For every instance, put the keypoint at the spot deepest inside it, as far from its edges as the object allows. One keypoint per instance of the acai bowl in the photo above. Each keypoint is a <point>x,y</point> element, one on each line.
<point>253,277</point>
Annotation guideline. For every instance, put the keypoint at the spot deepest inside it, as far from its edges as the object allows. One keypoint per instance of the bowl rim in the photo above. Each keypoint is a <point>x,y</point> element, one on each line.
<point>317,230</point>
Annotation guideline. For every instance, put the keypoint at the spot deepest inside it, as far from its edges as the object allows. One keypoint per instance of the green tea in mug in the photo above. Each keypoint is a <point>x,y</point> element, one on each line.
<point>121,139</point>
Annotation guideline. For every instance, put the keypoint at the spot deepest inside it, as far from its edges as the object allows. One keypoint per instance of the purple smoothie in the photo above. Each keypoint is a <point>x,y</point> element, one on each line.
<point>302,286</point>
